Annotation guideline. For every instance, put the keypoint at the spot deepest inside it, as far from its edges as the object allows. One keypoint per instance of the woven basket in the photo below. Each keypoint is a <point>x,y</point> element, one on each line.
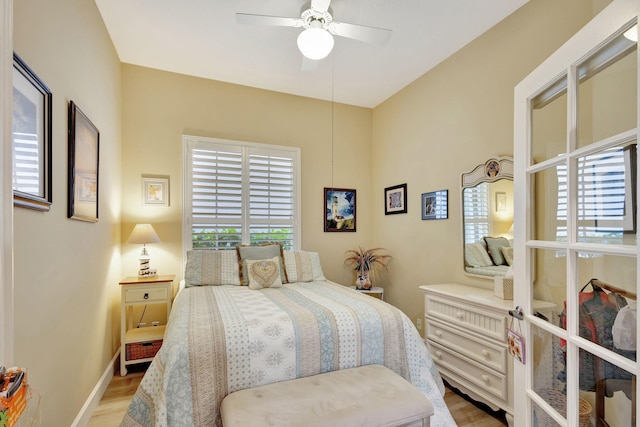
<point>503,287</point>
<point>559,402</point>
<point>143,350</point>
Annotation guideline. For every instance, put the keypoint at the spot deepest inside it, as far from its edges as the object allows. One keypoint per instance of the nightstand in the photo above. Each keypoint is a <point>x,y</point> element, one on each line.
<point>141,344</point>
<point>376,292</point>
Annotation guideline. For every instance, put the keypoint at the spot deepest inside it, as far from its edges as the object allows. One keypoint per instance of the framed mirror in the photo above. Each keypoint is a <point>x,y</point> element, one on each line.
<point>487,218</point>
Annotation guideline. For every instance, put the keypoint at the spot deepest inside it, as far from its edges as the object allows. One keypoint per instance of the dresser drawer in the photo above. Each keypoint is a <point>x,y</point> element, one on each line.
<point>470,371</point>
<point>145,295</point>
<point>482,351</point>
<point>467,317</point>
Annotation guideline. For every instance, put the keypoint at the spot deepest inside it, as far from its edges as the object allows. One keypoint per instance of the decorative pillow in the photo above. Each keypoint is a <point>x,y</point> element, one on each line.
<point>475,255</point>
<point>211,267</point>
<point>264,273</point>
<point>316,268</point>
<point>507,253</point>
<point>298,266</point>
<point>266,251</point>
<point>493,247</point>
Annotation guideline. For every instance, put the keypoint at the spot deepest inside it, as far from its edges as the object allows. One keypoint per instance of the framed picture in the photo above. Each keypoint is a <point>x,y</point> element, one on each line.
<point>84,149</point>
<point>501,201</point>
<point>340,209</point>
<point>155,190</point>
<point>395,199</point>
<point>31,134</point>
<point>435,205</point>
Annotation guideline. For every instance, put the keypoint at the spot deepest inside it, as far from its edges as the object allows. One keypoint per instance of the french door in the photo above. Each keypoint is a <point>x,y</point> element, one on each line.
<point>576,187</point>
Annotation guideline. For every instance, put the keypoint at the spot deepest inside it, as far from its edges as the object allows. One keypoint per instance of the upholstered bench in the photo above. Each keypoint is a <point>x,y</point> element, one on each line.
<point>366,396</point>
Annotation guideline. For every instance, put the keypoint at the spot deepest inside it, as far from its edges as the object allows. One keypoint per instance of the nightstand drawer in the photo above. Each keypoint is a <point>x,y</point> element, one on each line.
<point>145,295</point>
<point>469,371</point>
<point>481,351</point>
<point>468,317</point>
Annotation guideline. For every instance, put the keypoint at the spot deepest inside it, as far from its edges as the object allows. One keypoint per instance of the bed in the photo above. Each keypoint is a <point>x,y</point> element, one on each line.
<point>224,338</point>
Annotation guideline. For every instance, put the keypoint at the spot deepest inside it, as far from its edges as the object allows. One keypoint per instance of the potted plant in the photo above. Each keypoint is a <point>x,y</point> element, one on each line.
<point>366,263</point>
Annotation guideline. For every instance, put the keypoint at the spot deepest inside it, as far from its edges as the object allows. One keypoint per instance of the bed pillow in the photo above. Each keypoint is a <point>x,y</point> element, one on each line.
<point>265,251</point>
<point>303,266</point>
<point>475,255</point>
<point>207,267</point>
<point>264,273</point>
<point>507,253</point>
<point>493,247</point>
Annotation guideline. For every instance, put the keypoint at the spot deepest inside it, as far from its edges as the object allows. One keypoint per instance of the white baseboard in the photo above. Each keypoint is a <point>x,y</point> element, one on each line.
<point>96,394</point>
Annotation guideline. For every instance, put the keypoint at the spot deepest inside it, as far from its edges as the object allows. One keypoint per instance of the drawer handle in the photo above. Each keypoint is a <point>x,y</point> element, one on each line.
<point>460,314</point>
<point>439,334</point>
<point>485,379</point>
<point>438,355</point>
<point>485,353</point>
<point>146,296</point>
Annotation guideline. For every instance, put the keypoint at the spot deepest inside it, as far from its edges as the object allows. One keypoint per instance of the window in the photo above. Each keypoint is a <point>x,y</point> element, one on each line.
<point>476,213</point>
<point>239,193</point>
<point>605,195</point>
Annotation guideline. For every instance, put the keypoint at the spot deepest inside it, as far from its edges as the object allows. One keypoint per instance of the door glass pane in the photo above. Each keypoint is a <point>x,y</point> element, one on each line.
<point>607,92</point>
<point>549,122</point>
<point>607,310</point>
<point>607,389</point>
<point>549,200</point>
<point>550,283</point>
<point>549,377</point>
<point>541,418</point>
<point>606,195</point>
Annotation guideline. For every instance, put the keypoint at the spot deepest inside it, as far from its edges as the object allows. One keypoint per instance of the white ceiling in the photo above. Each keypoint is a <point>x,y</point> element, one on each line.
<point>201,38</point>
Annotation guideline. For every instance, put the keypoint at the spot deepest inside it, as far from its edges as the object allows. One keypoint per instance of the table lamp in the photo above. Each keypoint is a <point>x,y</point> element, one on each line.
<point>144,233</point>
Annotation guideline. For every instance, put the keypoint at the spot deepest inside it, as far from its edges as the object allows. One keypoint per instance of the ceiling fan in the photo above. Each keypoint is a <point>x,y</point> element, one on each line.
<point>316,41</point>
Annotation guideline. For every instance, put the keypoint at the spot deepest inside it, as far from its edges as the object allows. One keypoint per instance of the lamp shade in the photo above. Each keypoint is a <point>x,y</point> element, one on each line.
<point>143,233</point>
<point>315,43</point>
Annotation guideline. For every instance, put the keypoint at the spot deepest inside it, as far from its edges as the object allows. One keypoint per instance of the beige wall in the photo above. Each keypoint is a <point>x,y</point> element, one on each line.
<point>66,271</point>
<point>443,124</point>
<point>160,107</point>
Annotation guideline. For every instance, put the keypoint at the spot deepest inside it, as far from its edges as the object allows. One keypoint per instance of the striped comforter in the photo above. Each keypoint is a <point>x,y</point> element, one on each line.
<point>221,339</point>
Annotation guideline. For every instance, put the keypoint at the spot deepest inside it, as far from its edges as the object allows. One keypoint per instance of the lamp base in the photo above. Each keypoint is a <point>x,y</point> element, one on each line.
<point>145,271</point>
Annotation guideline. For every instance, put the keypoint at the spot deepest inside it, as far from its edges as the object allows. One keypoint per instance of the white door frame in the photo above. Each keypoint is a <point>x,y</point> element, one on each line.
<point>6,200</point>
<point>585,41</point>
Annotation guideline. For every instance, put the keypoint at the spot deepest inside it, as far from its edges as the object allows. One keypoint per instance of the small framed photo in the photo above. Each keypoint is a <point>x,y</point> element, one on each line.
<point>395,199</point>
<point>31,132</point>
<point>501,201</point>
<point>84,149</point>
<point>155,190</point>
<point>435,205</point>
<point>339,209</point>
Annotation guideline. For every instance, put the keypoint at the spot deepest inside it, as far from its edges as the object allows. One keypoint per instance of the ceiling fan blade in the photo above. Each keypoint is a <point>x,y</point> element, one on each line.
<point>360,32</point>
<point>308,64</point>
<point>278,21</point>
<point>320,5</point>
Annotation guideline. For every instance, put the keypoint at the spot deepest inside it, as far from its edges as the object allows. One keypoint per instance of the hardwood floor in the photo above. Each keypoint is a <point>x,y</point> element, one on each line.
<point>116,399</point>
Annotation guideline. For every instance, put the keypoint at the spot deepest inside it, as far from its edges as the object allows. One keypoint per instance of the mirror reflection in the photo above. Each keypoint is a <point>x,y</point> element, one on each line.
<point>487,218</point>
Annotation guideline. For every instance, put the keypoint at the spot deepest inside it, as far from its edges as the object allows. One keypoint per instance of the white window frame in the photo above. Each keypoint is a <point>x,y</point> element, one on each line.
<point>190,142</point>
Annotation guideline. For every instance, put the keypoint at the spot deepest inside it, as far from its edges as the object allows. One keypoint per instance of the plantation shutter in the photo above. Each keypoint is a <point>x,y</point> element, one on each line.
<point>271,197</point>
<point>476,213</point>
<point>26,161</point>
<point>604,194</point>
<point>239,193</point>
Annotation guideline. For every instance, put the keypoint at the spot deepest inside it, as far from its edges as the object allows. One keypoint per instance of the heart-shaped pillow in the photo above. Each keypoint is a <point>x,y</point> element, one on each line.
<point>264,273</point>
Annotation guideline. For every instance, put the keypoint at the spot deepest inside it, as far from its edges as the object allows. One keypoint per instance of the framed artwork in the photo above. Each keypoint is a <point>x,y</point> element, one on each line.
<point>84,149</point>
<point>155,190</point>
<point>31,134</point>
<point>501,201</point>
<point>395,199</point>
<point>435,205</point>
<point>340,209</point>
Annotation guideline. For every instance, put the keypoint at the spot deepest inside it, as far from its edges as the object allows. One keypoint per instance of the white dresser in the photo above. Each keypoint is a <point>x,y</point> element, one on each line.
<point>466,334</point>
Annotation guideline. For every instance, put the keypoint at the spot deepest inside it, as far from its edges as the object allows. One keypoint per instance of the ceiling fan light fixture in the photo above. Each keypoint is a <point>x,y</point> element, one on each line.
<point>315,43</point>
